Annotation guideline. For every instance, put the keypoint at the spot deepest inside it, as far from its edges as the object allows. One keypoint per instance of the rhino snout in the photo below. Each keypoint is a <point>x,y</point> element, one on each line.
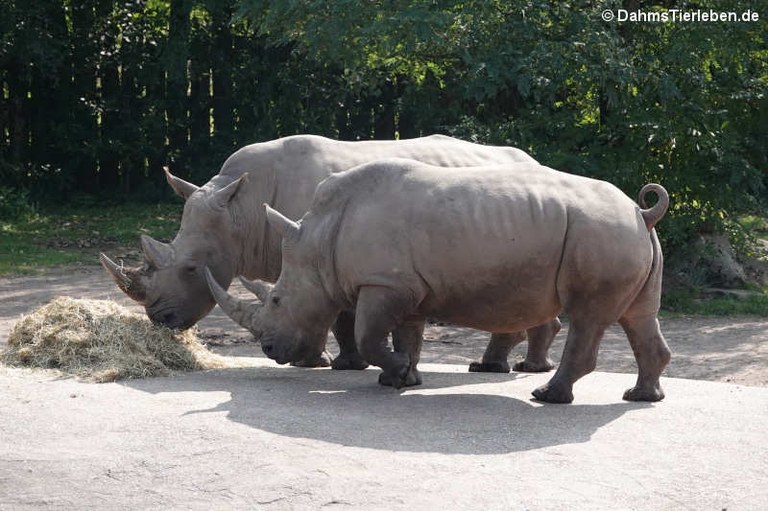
<point>274,350</point>
<point>170,319</point>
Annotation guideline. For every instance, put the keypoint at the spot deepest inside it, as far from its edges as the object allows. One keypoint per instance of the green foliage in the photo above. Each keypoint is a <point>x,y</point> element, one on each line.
<point>677,302</point>
<point>14,204</point>
<point>683,104</point>
<point>75,234</point>
<point>98,95</point>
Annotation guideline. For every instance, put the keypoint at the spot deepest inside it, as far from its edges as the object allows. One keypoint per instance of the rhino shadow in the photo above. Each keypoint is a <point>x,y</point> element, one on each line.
<point>351,409</point>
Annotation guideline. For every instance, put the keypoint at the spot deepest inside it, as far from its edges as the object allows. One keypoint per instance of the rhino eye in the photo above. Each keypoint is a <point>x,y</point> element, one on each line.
<point>190,269</point>
<point>276,300</point>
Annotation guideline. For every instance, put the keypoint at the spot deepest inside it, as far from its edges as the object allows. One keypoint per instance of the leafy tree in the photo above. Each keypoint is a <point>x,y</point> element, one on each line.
<point>98,95</point>
<point>683,104</point>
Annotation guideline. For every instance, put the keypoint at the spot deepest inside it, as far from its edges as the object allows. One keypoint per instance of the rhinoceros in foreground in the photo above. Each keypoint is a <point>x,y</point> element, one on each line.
<point>472,246</point>
<point>224,227</point>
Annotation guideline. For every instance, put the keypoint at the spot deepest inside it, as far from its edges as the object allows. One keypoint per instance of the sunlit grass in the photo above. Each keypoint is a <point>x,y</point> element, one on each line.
<point>74,235</point>
<point>677,302</point>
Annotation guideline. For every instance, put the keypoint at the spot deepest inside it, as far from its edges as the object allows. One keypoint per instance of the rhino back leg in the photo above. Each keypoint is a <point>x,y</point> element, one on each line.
<point>381,310</point>
<point>540,339</point>
<point>344,332</point>
<point>651,353</point>
<point>496,353</point>
<point>537,358</point>
<point>579,358</point>
<point>641,324</point>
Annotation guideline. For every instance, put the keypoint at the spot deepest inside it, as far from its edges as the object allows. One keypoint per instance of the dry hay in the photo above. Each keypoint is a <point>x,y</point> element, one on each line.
<point>102,341</point>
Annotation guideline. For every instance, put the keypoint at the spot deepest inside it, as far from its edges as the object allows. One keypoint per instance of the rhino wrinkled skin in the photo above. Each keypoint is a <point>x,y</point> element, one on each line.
<point>224,228</point>
<point>404,241</point>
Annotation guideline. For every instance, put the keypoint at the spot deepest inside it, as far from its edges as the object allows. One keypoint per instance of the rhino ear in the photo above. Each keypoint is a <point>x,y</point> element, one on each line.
<point>222,197</point>
<point>157,253</point>
<point>182,188</point>
<point>287,228</point>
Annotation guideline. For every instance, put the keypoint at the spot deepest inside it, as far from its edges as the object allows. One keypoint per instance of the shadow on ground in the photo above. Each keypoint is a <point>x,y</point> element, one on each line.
<point>452,413</point>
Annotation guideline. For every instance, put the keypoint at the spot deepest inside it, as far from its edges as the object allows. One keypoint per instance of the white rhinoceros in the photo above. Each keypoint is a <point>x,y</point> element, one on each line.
<point>404,240</point>
<point>224,227</point>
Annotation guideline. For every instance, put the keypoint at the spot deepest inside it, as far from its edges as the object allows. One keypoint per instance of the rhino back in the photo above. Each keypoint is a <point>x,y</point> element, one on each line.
<point>468,242</point>
<point>286,171</point>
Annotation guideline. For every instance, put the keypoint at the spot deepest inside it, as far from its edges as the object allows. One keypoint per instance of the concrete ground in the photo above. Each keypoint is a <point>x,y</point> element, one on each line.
<point>283,438</point>
<point>269,437</point>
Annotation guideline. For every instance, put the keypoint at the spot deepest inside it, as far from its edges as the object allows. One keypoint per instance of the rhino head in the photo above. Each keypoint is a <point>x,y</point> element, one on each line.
<point>171,283</point>
<point>291,318</point>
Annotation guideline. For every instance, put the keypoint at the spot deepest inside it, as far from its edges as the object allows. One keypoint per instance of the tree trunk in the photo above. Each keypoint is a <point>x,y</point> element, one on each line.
<point>223,114</point>
<point>84,76</point>
<point>176,56</point>
<point>199,96</point>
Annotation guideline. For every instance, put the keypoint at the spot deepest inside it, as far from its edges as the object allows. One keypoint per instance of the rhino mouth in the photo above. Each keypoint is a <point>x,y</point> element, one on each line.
<point>271,346</point>
<point>169,318</point>
<point>282,350</point>
<point>172,322</point>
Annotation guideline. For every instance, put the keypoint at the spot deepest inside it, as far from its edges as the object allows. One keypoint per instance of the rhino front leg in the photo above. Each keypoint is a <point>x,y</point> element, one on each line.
<point>652,355</point>
<point>539,341</point>
<point>496,353</point>
<point>381,310</point>
<point>407,338</point>
<point>344,331</point>
<point>579,359</point>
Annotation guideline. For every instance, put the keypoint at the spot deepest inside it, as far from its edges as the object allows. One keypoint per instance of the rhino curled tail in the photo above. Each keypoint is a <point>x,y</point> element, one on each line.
<point>652,215</point>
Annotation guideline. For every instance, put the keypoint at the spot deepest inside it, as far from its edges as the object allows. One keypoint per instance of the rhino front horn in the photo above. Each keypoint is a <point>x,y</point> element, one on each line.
<point>242,312</point>
<point>127,279</point>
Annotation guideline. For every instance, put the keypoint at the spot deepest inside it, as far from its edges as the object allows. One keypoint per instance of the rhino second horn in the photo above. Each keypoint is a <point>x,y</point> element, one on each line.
<point>287,228</point>
<point>182,188</point>
<point>257,287</point>
<point>157,253</point>
<point>242,312</point>
<point>127,279</point>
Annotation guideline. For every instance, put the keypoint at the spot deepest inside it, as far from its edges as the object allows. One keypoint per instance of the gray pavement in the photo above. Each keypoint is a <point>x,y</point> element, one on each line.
<point>270,437</point>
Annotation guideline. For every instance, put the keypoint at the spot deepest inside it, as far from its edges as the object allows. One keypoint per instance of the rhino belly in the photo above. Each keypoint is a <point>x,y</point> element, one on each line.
<point>505,302</point>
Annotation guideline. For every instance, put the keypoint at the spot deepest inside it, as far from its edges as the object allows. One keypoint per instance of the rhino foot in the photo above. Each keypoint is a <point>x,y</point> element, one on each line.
<point>405,378</point>
<point>323,360</point>
<point>527,366</point>
<point>401,375</point>
<point>553,393</point>
<point>349,361</point>
<point>651,393</point>
<point>489,367</point>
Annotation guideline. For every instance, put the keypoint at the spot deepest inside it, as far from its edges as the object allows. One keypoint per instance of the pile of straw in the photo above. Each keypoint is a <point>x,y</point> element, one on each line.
<point>101,341</point>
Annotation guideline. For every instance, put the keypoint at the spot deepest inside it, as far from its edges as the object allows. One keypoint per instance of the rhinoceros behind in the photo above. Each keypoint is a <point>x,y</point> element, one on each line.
<point>404,240</point>
<point>224,228</point>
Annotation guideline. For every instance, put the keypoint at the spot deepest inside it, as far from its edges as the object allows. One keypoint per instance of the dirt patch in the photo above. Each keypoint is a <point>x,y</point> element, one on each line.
<point>725,349</point>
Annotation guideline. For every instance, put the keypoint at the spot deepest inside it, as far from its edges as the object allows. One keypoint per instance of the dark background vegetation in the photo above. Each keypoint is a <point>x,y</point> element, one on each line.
<point>98,95</point>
